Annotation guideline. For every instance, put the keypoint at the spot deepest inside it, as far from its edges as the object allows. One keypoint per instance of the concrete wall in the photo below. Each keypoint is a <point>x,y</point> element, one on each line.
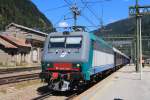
<point>7,56</point>
<point>17,59</point>
<point>3,57</point>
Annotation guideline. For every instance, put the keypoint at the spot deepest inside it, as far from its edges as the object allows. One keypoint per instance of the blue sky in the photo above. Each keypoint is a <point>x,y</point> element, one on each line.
<point>113,10</point>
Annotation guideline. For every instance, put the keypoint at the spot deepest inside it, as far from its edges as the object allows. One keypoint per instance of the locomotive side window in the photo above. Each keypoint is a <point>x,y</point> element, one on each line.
<point>73,42</point>
<point>56,42</point>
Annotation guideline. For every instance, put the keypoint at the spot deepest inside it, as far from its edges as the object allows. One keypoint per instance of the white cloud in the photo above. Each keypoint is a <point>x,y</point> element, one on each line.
<point>63,24</point>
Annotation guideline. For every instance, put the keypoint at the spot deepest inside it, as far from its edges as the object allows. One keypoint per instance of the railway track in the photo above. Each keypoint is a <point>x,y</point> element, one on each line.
<point>42,97</point>
<point>13,70</point>
<point>47,95</point>
<point>18,78</point>
<point>71,96</point>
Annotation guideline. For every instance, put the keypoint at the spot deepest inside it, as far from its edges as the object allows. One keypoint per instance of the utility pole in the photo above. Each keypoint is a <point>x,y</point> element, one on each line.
<point>138,11</point>
<point>131,52</point>
<point>76,13</point>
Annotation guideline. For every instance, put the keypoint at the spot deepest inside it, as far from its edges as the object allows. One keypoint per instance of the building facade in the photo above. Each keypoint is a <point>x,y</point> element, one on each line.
<point>21,46</point>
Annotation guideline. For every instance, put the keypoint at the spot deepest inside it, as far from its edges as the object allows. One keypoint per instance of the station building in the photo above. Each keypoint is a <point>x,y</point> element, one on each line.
<point>21,46</point>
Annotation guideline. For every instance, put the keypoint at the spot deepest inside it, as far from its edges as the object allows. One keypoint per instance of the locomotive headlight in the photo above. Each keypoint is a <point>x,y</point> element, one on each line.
<point>69,51</point>
<point>48,65</point>
<point>56,51</point>
<point>78,65</point>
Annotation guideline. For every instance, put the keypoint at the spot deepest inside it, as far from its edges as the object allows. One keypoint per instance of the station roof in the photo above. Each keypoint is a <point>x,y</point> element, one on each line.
<point>14,41</point>
<point>27,28</point>
<point>6,44</point>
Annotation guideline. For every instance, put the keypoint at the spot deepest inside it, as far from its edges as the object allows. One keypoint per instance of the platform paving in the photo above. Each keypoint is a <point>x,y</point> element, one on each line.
<point>125,84</point>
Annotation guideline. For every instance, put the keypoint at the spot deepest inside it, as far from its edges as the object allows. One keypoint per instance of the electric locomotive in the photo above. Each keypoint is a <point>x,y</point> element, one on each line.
<point>73,58</point>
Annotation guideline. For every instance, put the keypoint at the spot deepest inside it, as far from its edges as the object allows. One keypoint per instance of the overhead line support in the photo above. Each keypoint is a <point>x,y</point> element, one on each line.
<point>138,11</point>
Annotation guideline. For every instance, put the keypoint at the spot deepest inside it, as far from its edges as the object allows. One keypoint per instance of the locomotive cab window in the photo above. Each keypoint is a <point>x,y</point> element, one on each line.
<point>57,42</point>
<point>73,42</point>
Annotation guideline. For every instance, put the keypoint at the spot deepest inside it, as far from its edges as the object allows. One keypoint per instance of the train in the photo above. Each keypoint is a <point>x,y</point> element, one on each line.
<point>70,59</point>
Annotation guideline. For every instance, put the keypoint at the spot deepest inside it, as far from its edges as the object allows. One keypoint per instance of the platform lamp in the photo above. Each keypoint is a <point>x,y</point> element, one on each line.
<point>29,39</point>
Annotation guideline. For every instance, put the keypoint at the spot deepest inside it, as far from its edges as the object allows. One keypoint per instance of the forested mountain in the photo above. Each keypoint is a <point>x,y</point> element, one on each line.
<point>23,12</point>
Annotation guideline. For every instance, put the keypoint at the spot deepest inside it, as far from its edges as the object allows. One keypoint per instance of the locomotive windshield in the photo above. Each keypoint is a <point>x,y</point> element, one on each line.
<point>57,42</point>
<point>65,42</point>
<point>73,42</point>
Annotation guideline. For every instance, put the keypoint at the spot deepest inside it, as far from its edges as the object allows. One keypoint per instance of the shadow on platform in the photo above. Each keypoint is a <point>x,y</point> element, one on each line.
<point>117,99</point>
<point>126,78</point>
<point>126,71</point>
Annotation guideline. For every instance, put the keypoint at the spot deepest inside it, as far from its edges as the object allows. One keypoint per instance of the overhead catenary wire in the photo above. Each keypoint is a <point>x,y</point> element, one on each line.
<point>63,6</point>
<point>61,18</point>
<point>56,8</point>
<point>101,18</point>
<point>91,10</point>
<point>85,2</point>
<point>86,6</point>
<point>86,18</point>
<point>59,7</point>
<point>68,3</point>
<point>98,1</point>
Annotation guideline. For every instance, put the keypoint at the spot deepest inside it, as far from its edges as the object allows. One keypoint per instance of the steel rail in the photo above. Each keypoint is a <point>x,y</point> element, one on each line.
<point>13,70</point>
<point>18,78</point>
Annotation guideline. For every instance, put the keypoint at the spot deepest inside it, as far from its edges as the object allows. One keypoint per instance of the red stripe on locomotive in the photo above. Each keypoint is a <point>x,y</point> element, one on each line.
<point>63,66</point>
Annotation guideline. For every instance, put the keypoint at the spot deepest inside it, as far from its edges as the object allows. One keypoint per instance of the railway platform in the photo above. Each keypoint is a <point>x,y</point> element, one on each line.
<point>125,84</point>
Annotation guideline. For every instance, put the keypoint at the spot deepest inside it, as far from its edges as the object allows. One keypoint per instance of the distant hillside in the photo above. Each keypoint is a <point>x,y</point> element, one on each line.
<point>125,27</point>
<point>23,12</point>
